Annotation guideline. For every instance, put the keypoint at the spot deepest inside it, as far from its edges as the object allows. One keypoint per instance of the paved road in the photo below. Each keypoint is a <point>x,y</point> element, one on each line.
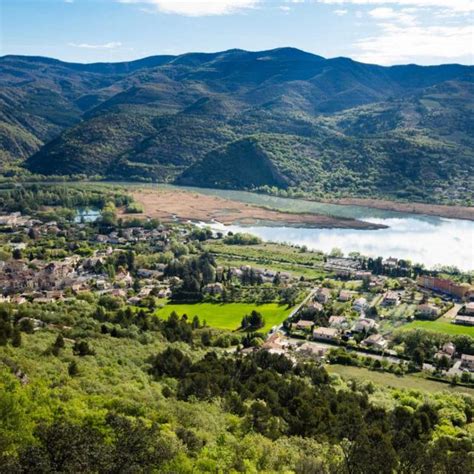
<point>390,358</point>
<point>305,301</point>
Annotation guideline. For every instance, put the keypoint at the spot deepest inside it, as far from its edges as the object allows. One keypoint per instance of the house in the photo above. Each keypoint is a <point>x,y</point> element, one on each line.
<point>164,293</point>
<point>363,275</point>
<point>311,349</point>
<point>276,342</point>
<point>346,295</point>
<point>427,311</point>
<point>134,300</point>
<point>376,341</point>
<point>364,325</point>
<point>448,350</point>
<point>360,305</point>
<point>338,322</point>
<point>316,306</point>
<point>304,325</point>
<point>464,320</point>
<point>391,298</point>
<point>323,295</point>
<point>391,262</point>
<point>326,334</point>
<point>146,273</point>
<point>213,289</point>
<point>467,362</point>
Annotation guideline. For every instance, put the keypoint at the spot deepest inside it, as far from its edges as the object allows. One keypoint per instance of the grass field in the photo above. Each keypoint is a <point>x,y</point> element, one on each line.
<point>391,380</point>
<point>228,316</point>
<point>442,326</point>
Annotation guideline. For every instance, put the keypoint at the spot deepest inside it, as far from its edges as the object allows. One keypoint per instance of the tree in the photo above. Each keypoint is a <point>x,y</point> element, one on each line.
<point>195,324</point>
<point>82,348</point>
<point>58,345</point>
<point>16,337</point>
<point>17,254</point>
<point>171,362</point>
<point>73,369</point>
<point>253,321</point>
<point>418,357</point>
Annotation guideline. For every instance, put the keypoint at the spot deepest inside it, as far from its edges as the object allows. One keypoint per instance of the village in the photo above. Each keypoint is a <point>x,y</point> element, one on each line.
<point>350,308</point>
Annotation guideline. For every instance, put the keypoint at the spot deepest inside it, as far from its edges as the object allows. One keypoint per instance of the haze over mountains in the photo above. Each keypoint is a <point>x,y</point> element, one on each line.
<point>236,119</point>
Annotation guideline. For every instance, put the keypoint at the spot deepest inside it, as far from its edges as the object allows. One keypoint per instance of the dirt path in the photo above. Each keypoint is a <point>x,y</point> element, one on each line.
<point>183,205</point>
<point>453,212</point>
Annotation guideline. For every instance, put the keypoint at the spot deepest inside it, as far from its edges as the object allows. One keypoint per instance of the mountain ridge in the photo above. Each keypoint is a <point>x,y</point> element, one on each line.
<point>163,117</point>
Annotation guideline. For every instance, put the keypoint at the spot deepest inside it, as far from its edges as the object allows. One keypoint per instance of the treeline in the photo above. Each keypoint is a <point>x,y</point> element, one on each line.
<point>30,198</point>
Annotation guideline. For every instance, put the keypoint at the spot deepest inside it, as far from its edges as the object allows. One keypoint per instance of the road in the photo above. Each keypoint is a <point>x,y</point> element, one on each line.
<point>295,310</point>
<point>390,358</point>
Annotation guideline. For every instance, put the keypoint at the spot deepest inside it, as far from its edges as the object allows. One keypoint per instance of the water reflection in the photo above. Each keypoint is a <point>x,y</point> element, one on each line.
<point>423,239</point>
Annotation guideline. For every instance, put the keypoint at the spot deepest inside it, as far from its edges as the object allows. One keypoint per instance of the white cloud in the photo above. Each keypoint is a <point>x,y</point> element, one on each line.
<point>401,44</point>
<point>456,5</point>
<point>340,12</point>
<point>385,13</point>
<point>198,7</point>
<point>110,45</point>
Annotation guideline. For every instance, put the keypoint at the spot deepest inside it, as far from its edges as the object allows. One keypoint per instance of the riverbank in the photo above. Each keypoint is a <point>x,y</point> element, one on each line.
<point>177,204</point>
<point>439,210</point>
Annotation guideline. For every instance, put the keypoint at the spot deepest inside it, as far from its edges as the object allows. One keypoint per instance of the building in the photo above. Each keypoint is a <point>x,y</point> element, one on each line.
<point>468,309</point>
<point>360,305</point>
<point>214,288</point>
<point>316,306</point>
<point>323,295</point>
<point>376,341</point>
<point>346,295</point>
<point>391,262</point>
<point>427,311</point>
<point>338,322</point>
<point>304,325</point>
<point>448,350</point>
<point>464,320</point>
<point>467,362</point>
<point>311,349</point>
<point>364,325</point>
<point>391,298</point>
<point>326,334</point>
<point>449,287</point>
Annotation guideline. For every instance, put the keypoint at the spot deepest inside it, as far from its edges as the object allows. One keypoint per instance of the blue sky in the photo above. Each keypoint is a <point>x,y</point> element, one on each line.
<point>375,31</point>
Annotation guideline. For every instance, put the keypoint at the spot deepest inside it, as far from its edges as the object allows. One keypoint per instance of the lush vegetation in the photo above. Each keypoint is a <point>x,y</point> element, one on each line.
<point>284,125</point>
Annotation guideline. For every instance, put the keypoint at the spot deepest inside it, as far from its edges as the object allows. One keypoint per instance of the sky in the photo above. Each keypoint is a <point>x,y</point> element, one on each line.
<point>374,31</point>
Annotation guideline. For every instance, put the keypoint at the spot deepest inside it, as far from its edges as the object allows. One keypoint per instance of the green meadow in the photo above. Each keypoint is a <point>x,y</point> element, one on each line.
<point>441,326</point>
<point>228,315</point>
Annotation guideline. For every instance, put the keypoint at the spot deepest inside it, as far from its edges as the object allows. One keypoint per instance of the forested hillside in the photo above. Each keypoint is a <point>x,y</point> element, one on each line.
<point>305,123</point>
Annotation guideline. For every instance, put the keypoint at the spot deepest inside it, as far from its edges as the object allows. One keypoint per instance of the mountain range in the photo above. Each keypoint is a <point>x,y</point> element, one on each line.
<point>272,120</point>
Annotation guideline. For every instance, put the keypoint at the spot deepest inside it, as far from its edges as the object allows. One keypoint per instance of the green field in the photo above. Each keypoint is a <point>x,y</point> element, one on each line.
<point>390,380</point>
<point>228,316</point>
<point>442,326</point>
